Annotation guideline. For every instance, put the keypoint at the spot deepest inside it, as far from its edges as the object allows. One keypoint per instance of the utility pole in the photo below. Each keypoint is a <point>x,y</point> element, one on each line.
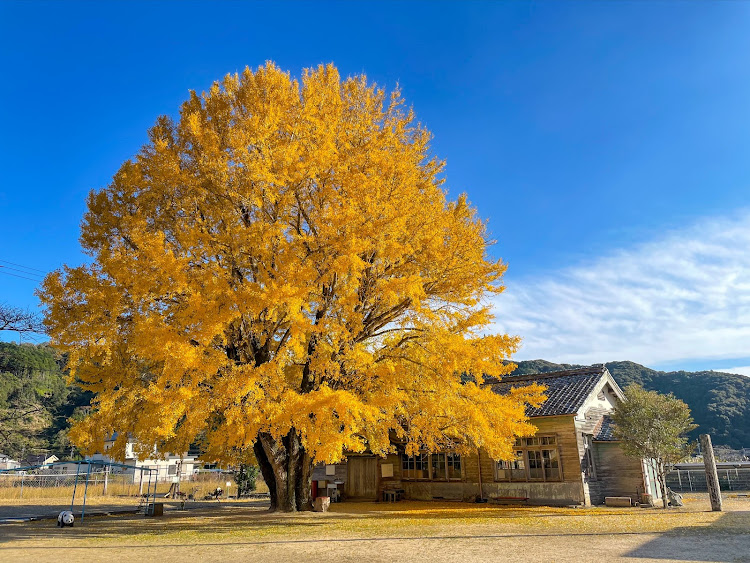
<point>712,476</point>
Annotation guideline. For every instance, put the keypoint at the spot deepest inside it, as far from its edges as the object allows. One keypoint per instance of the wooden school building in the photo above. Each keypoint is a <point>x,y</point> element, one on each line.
<point>572,460</point>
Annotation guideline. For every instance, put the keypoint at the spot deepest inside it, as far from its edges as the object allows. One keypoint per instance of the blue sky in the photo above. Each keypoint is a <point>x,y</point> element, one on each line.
<point>606,143</point>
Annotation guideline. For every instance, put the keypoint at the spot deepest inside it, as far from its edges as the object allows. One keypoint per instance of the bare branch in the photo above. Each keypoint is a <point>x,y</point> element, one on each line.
<point>19,320</point>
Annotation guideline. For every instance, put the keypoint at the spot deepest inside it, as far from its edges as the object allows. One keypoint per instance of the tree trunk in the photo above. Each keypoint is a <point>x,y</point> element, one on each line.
<point>267,471</point>
<point>287,470</point>
<point>661,471</point>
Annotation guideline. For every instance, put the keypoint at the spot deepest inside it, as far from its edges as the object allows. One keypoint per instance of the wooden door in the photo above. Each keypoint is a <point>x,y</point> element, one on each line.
<point>362,476</point>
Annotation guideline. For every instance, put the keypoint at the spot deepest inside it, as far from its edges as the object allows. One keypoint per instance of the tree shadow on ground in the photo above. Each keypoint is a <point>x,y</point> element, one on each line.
<point>217,521</point>
<point>43,508</point>
<point>725,539</point>
<point>223,521</point>
<point>238,524</point>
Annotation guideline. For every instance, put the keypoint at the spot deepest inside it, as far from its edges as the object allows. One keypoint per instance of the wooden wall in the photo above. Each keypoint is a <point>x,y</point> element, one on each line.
<point>567,491</point>
<point>617,474</point>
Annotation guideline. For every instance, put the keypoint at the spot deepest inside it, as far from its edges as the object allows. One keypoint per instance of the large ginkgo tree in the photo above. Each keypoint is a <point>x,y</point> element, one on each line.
<point>279,274</point>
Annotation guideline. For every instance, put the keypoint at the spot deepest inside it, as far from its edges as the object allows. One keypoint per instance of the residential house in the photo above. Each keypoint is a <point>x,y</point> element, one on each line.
<point>40,459</point>
<point>171,468</point>
<point>7,463</point>
<point>572,460</point>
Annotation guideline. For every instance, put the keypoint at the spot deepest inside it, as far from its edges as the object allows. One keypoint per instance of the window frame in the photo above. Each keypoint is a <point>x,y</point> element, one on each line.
<point>424,458</point>
<point>536,444</point>
<point>456,459</point>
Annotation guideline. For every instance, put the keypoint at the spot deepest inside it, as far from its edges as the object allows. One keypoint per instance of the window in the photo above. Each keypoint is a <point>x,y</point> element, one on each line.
<point>536,468</point>
<point>454,466</point>
<point>551,464</point>
<point>172,470</point>
<point>536,459</point>
<point>439,467</point>
<point>415,467</point>
<point>514,470</point>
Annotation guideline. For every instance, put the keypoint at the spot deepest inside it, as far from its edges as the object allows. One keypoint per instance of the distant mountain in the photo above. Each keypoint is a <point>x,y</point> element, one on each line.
<point>720,402</point>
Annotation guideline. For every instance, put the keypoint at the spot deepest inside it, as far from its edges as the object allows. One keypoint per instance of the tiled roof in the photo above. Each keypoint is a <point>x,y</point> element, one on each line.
<point>36,459</point>
<point>604,430</point>
<point>566,390</point>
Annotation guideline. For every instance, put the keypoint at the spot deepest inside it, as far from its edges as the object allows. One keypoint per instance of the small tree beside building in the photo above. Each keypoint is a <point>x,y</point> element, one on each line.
<point>653,426</point>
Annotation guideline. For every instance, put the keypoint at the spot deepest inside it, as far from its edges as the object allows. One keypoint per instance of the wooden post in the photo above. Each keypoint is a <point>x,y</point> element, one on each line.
<point>479,464</point>
<point>712,476</point>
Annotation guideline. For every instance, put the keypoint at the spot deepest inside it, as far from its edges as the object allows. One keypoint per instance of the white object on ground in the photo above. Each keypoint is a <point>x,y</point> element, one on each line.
<point>65,518</point>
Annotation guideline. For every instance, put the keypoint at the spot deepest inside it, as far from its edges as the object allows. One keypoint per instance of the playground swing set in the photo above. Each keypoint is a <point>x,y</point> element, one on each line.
<point>146,501</point>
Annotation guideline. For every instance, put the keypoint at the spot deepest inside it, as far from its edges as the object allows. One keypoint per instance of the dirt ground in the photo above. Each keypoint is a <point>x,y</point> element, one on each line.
<point>415,531</point>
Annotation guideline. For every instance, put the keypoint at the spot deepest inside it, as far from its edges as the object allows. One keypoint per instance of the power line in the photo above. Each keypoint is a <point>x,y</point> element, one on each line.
<point>17,276</point>
<point>22,266</point>
<point>21,271</point>
<point>34,338</point>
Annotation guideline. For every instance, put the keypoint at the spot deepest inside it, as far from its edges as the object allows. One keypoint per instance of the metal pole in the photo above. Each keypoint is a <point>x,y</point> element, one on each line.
<point>148,493</point>
<point>75,486</point>
<point>85,490</point>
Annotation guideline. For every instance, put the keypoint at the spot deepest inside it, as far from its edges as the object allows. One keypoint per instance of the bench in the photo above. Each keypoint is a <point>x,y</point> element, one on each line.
<point>508,499</point>
<point>393,495</point>
<point>618,501</point>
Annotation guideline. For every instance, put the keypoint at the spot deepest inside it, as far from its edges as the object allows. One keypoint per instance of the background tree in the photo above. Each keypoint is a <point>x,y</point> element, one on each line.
<point>279,270</point>
<point>19,320</point>
<point>245,477</point>
<point>653,426</point>
<point>32,395</point>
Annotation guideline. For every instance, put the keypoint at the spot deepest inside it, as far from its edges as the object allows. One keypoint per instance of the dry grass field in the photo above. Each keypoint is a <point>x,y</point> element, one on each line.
<point>405,531</point>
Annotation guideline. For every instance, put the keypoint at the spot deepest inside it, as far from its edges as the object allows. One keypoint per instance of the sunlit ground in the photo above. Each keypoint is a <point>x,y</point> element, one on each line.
<point>413,531</point>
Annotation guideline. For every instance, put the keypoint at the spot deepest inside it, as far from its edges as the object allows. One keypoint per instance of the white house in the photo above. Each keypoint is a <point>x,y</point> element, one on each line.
<point>8,463</point>
<point>172,467</point>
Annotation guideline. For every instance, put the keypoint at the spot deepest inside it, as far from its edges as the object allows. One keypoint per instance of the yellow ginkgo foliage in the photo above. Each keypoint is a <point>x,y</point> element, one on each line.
<point>279,273</point>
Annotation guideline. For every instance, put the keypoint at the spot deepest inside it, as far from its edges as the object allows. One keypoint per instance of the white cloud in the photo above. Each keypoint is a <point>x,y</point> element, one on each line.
<point>684,296</point>
<point>742,370</point>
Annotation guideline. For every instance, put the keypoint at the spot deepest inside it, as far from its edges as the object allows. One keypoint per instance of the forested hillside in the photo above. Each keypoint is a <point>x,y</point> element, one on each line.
<point>719,402</point>
<point>35,401</point>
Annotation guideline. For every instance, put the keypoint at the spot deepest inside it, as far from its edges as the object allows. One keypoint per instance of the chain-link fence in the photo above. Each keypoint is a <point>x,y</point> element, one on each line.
<point>24,485</point>
<point>49,485</point>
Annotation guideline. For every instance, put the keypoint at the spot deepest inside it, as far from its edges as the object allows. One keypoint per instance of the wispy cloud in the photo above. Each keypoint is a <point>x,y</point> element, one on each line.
<point>684,296</point>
